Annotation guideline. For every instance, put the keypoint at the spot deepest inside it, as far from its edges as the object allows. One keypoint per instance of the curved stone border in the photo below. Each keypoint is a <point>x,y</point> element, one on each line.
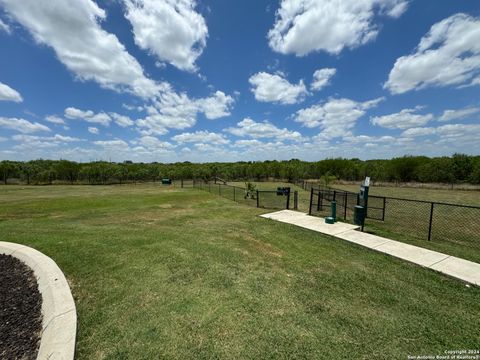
<point>59,326</point>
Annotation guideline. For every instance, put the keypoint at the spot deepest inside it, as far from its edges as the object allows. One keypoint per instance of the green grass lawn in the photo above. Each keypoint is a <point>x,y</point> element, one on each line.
<point>184,274</point>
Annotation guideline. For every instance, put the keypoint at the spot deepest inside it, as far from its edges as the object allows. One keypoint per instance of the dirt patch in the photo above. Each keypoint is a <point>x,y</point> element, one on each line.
<point>20,310</point>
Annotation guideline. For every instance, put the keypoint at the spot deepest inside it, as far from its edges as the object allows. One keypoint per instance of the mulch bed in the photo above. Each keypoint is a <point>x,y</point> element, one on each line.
<point>20,310</point>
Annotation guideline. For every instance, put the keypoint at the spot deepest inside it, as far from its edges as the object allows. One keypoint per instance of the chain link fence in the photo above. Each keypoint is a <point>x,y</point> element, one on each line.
<point>452,227</point>
<point>267,199</point>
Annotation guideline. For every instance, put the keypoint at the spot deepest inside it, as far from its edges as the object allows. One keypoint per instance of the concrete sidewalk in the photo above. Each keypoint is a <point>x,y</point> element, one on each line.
<point>464,270</point>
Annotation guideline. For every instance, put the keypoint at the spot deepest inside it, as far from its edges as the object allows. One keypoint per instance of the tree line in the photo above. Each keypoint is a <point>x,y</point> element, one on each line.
<point>454,169</point>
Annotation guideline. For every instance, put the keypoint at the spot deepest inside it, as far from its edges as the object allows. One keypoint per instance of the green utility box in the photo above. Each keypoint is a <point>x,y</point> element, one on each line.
<point>359,215</point>
<point>166,181</point>
<point>332,219</point>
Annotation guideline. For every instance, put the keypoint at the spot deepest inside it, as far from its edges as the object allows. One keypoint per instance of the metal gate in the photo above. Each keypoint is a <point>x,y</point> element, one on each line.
<point>321,199</point>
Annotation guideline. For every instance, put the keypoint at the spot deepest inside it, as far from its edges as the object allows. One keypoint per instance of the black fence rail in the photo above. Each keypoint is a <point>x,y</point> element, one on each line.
<point>305,184</point>
<point>321,200</point>
<point>452,225</point>
<point>267,199</point>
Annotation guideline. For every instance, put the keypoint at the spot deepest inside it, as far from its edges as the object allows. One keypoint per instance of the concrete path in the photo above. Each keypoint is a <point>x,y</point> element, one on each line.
<point>464,270</point>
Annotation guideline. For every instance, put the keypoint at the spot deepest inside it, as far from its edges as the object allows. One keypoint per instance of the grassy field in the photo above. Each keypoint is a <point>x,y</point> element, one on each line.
<point>183,274</point>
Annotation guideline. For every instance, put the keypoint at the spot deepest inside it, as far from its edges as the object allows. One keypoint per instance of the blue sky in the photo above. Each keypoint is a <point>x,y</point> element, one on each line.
<point>184,80</point>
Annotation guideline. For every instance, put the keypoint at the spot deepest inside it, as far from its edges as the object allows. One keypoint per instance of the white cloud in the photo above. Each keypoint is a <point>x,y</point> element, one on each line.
<point>93,130</point>
<point>321,78</point>
<point>274,88</point>
<point>88,115</point>
<point>129,107</point>
<point>5,27</point>
<point>201,137</point>
<point>178,111</point>
<point>55,120</point>
<point>418,131</point>
<point>251,128</point>
<point>248,143</point>
<point>9,94</point>
<point>170,29</point>
<point>173,110</point>
<point>22,125</point>
<point>209,148</point>
<point>406,118</point>
<point>153,143</point>
<point>80,43</point>
<point>33,144</point>
<point>452,133</point>
<point>449,54</point>
<point>449,115</point>
<point>121,120</point>
<point>116,144</point>
<point>216,106</point>
<point>303,26</point>
<point>358,139</point>
<point>336,117</point>
<point>57,138</point>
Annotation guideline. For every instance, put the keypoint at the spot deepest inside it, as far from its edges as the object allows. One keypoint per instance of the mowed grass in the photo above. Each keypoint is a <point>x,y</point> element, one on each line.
<point>183,274</point>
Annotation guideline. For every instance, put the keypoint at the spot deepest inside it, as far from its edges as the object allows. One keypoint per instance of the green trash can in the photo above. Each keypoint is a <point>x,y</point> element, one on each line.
<point>359,215</point>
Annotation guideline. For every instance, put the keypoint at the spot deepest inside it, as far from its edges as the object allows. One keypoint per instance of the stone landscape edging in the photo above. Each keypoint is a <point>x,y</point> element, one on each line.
<point>59,324</point>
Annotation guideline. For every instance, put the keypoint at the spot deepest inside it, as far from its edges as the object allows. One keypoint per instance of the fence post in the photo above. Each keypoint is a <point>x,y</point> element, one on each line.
<point>311,200</point>
<point>319,201</point>
<point>234,191</point>
<point>384,204</point>
<point>430,223</point>
<point>334,195</point>
<point>258,200</point>
<point>295,200</point>
<point>288,199</point>
<point>345,203</point>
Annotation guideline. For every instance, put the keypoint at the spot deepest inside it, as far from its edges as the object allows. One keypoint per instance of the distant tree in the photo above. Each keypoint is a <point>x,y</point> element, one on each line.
<point>7,169</point>
<point>475,175</point>
<point>67,170</point>
<point>462,166</point>
<point>437,170</point>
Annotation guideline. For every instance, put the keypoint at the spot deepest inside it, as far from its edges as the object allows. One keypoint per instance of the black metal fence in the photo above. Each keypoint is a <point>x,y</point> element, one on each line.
<point>321,200</point>
<point>305,184</point>
<point>415,219</point>
<point>267,199</point>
